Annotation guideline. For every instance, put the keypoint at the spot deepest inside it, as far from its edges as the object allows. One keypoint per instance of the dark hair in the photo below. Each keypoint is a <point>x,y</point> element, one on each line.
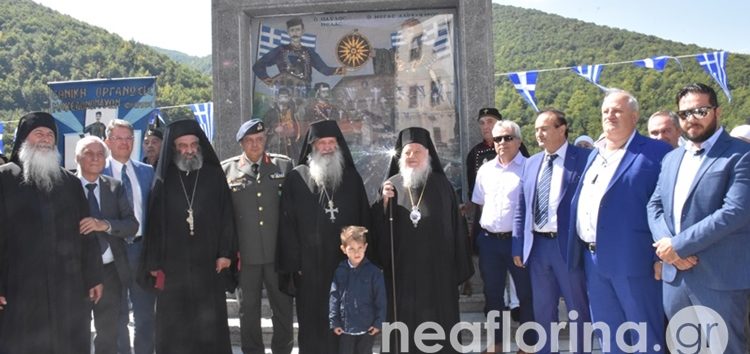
<point>560,115</point>
<point>353,233</point>
<point>698,88</point>
<point>295,21</point>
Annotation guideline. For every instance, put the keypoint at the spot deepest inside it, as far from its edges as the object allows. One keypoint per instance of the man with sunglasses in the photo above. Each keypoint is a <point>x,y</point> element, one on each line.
<point>496,192</point>
<point>699,216</point>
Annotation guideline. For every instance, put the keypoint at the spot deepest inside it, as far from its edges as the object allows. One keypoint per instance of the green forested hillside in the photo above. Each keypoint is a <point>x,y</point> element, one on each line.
<point>38,45</point>
<point>530,40</point>
<point>202,64</point>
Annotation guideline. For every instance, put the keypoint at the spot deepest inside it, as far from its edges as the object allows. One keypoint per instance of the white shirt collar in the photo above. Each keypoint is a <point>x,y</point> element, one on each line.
<point>706,145</point>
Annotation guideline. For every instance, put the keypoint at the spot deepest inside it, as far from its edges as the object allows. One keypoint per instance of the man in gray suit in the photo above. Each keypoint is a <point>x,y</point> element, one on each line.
<point>111,221</point>
<point>699,216</point>
<point>255,178</point>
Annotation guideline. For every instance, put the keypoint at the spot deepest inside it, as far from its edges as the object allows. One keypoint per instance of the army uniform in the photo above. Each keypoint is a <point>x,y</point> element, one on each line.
<point>256,194</point>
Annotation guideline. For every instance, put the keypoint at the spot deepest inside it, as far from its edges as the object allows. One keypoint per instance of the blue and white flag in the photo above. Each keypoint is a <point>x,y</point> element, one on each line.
<point>591,73</point>
<point>714,64</point>
<point>204,114</point>
<point>272,37</point>
<point>2,131</point>
<point>155,119</point>
<point>436,35</point>
<point>525,83</point>
<point>657,63</point>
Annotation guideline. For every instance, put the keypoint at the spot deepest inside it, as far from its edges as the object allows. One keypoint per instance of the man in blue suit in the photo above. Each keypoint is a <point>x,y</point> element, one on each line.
<point>136,178</point>
<point>542,220</point>
<point>699,216</point>
<point>610,239</point>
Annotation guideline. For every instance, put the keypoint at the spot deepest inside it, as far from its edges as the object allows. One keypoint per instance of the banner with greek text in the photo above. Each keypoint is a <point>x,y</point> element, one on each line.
<point>86,107</point>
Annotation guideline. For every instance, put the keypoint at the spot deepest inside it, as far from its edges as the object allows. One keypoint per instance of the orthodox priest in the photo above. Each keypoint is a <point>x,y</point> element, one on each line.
<point>49,271</point>
<point>430,256</point>
<point>190,244</point>
<point>319,197</point>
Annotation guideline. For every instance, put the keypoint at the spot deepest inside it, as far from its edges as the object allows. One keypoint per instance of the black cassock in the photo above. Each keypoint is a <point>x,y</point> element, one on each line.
<point>46,267</point>
<point>309,242</point>
<point>431,259</point>
<point>191,311</point>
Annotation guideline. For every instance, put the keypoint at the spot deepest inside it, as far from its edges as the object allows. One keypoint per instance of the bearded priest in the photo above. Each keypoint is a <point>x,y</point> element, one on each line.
<point>318,198</point>
<point>429,257</point>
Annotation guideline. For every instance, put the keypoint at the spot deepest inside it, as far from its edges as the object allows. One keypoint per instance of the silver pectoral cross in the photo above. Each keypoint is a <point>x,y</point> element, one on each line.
<point>331,210</point>
<point>415,215</point>
<point>189,220</point>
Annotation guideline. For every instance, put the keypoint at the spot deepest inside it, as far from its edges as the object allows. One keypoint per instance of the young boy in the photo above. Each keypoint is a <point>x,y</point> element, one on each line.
<point>357,300</point>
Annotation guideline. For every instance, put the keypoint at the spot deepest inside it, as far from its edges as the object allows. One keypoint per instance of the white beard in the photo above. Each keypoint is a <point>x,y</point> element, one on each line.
<point>41,165</point>
<point>417,176</point>
<point>189,165</point>
<point>327,170</point>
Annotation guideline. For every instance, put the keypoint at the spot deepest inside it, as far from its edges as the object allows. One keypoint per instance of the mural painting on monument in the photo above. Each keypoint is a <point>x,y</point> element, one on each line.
<point>373,72</point>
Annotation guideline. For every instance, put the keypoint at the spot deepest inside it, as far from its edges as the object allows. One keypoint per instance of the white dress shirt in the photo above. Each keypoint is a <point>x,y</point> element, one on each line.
<point>689,167</point>
<point>116,167</point>
<point>595,182</point>
<point>107,256</point>
<point>555,187</point>
<point>497,189</point>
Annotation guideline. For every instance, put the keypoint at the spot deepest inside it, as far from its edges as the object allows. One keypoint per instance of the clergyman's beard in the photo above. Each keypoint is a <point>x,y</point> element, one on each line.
<point>41,165</point>
<point>417,176</point>
<point>185,164</point>
<point>327,170</point>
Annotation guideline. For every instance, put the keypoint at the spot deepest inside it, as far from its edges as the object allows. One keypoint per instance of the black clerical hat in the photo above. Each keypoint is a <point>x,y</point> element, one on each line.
<point>324,129</point>
<point>414,135</point>
<point>252,126</point>
<point>29,122</point>
<point>154,131</point>
<point>489,111</point>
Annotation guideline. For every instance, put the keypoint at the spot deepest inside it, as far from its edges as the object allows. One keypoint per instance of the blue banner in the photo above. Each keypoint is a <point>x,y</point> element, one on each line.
<point>85,107</point>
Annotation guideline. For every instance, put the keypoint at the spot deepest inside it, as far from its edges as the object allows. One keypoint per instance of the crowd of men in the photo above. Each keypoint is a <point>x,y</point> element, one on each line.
<point>628,230</point>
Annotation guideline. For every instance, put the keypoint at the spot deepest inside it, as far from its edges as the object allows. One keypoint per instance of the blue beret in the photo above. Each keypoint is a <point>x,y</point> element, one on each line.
<point>252,126</point>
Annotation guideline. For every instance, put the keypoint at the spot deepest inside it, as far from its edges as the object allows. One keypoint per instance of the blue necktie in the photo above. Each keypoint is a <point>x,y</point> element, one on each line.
<point>96,213</point>
<point>541,208</point>
<point>126,184</point>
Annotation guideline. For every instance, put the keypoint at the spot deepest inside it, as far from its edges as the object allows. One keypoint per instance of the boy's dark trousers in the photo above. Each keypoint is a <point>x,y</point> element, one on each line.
<point>361,344</point>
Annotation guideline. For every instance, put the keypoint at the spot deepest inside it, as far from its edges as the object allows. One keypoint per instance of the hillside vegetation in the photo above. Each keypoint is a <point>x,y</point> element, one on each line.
<point>531,40</point>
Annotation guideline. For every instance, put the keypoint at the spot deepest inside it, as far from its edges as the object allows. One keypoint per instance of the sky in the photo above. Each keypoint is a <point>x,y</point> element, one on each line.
<point>186,25</point>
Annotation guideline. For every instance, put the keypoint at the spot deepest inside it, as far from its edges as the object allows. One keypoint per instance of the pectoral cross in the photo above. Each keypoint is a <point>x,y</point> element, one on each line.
<point>331,210</point>
<point>190,221</point>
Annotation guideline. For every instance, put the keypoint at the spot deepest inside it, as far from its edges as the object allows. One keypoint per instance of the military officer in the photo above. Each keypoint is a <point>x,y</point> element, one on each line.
<point>255,178</point>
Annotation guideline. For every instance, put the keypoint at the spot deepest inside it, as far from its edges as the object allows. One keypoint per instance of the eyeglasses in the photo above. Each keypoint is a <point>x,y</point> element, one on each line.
<point>504,138</point>
<point>699,112</point>
<point>121,138</point>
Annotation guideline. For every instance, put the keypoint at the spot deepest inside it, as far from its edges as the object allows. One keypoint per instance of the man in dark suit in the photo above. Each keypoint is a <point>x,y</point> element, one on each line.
<point>610,239</point>
<point>699,216</point>
<point>542,220</point>
<point>136,178</point>
<point>111,221</point>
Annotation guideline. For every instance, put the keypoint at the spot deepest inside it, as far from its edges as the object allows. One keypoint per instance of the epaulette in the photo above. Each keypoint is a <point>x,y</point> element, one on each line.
<point>231,160</point>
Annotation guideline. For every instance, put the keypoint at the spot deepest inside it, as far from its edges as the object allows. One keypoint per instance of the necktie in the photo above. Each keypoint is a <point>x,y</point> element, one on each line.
<point>254,167</point>
<point>96,213</point>
<point>126,184</point>
<point>541,208</point>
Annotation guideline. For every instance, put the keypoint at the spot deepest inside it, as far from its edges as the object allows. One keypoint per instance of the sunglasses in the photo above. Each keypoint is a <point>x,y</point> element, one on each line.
<point>699,112</point>
<point>504,138</point>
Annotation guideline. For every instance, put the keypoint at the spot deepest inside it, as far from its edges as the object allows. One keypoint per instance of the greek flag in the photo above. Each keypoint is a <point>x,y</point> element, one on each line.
<point>525,83</point>
<point>656,63</point>
<point>2,131</point>
<point>204,114</point>
<point>272,37</point>
<point>591,73</point>
<point>436,34</point>
<point>714,64</point>
<point>155,118</point>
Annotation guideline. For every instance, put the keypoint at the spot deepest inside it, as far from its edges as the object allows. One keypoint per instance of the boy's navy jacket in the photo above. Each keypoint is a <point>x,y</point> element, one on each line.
<point>357,299</point>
